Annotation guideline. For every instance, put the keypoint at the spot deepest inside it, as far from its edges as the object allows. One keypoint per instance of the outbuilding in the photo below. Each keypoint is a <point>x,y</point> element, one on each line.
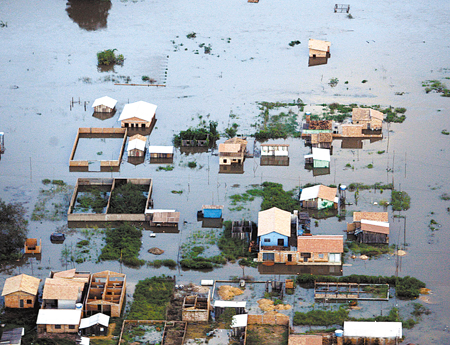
<point>95,325</point>
<point>104,105</point>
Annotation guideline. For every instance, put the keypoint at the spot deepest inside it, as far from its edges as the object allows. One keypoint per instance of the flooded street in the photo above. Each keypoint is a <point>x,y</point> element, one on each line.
<point>48,59</point>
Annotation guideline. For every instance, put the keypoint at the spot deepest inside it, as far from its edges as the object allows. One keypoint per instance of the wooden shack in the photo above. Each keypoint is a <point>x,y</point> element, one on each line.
<point>106,294</point>
<point>136,146</point>
<point>31,246</point>
<point>196,306</point>
<point>21,291</point>
<point>138,115</point>
<point>318,48</point>
<point>370,227</point>
<point>95,325</point>
<point>161,154</point>
<point>104,105</point>
<point>162,218</point>
<point>368,118</point>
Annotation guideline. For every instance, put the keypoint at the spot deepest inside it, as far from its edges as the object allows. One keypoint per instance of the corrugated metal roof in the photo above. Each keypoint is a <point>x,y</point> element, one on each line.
<point>160,149</point>
<point>22,282</point>
<point>136,144</point>
<point>321,154</point>
<point>372,329</point>
<point>309,193</point>
<point>377,216</point>
<point>59,317</point>
<point>108,101</point>
<point>141,110</point>
<point>99,318</point>
<point>373,226</point>
<point>320,244</point>
<point>239,321</point>
<point>274,220</point>
<point>319,45</point>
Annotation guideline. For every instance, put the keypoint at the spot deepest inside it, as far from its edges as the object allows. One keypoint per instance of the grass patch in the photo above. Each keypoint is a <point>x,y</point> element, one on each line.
<point>400,201</point>
<point>294,43</point>
<point>192,164</point>
<point>370,250</point>
<point>165,168</point>
<point>95,200</point>
<point>108,57</point>
<point>128,199</point>
<point>151,298</point>
<point>361,186</point>
<point>445,132</point>
<point>436,86</point>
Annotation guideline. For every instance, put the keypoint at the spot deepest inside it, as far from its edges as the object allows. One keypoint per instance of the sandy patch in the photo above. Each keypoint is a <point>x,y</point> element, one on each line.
<point>227,292</point>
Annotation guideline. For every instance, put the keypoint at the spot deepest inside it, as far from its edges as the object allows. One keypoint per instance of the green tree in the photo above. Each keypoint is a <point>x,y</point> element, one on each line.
<point>13,230</point>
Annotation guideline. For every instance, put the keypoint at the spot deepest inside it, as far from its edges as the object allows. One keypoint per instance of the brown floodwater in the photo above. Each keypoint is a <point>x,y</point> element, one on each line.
<point>48,58</point>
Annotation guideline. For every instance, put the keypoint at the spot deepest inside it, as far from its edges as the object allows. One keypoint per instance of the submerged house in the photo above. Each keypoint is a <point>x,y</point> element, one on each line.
<point>372,333</point>
<point>319,197</point>
<point>321,249</point>
<point>318,48</point>
<point>319,158</point>
<point>58,321</point>
<point>139,114</point>
<point>232,151</point>
<point>212,211</point>
<point>136,146</point>
<point>275,154</point>
<point>368,118</point>
<point>322,140</point>
<point>104,105</point>
<point>106,294</point>
<point>62,293</point>
<point>160,153</point>
<point>370,227</point>
<point>274,229</point>
<point>12,336</point>
<point>21,291</point>
<point>162,218</point>
<point>196,307</point>
<point>94,325</point>
<point>32,247</point>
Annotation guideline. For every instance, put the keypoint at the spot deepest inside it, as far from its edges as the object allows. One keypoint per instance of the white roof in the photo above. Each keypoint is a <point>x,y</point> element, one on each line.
<point>59,317</point>
<point>207,282</point>
<point>321,154</point>
<point>372,329</point>
<point>108,101</point>
<point>239,320</point>
<point>160,149</point>
<point>373,222</point>
<point>142,110</point>
<point>99,318</point>
<point>156,210</point>
<point>85,341</point>
<point>310,193</point>
<point>136,144</point>
<point>229,304</point>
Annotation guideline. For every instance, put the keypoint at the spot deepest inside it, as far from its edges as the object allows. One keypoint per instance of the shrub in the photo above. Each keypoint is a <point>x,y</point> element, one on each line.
<point>82,243</point>
<point>109,57</point>
<point>46,181</point>
<point>191,35</point>
<point>192,165</point>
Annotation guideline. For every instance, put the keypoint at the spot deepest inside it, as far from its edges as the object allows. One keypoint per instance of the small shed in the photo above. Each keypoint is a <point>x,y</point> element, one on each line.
<point>21,291</point>
<point>319,197</point>
<point>275,150</point>
<point>136,146</point>
<point>212,211</point>
<point>158,217</point>
<point>220,306</point>
<point>31,246</point>
<point>12,336</point>
<point>318,48</point>
<point>319,158</point>
<point>95,325</point>
<point>160,152</point>
<point>373,332</point>
<point>139,115</point>
<point>239,324</point>
<point>104,105</point>
<point>58,320</point>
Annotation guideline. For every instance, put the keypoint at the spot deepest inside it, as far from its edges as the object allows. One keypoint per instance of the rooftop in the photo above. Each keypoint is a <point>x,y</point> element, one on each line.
<point>376,216</point>
<point>372,329</point>
<point>59,317</point>
<point>141,110</point>
<point>108,101</point>
<point>22,283</point>
<point>320,244</point>
<point>274,220</point>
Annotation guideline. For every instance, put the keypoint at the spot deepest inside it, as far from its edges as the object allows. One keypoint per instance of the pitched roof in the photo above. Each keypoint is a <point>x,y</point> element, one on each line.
<point>139,137</point>
<point>325,137</point>
<point>319,45</point>
<point>373,226</point>
<point>59,288</point>
<point>372,329</point>
<point>321,124</point>
<point>12,336</point>
<point>320,244</point>
<point>72,274</point>
<point>99,318</point>
<point>327,193</point>
<point>229,148</point>
<point>59,317</point>
<point>309,193</point>
<point>321,154</point>
<point>141,110</point>
<point>166,217</point>
<point>376,114</point>
<point>108,101</point>
<point>361,114</point>
<point>136,143</point>
<point>274,220</point>
<point>377,216</point>
<point>160,149</point>
<point>302,339</point>
<point>23,283</point>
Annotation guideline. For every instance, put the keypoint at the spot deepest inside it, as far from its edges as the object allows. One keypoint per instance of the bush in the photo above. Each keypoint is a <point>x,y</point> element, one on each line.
<point>82,243</point>
<point>123,243</point>
<point>192,165</point>
<point>108,57</point>
<point>46,181</point>
<point>400,201</point>
<point>128,198</point>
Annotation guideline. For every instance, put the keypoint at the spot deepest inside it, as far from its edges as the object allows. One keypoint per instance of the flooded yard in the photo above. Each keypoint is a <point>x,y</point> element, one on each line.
<point>239,56</point>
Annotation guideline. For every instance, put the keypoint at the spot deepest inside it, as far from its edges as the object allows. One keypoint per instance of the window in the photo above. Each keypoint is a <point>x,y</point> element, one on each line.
<point>29,301</point>
<point>224,160</point>
<point>57,326</point>
<point>71,326</point>
<point>334,257</point>
<point>268,257</point>
<point>267,240</point>
<point>321,256</point>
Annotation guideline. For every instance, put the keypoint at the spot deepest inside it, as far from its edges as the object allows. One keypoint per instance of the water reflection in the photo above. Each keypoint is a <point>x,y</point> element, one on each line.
<point>316,61</point>
<point>90,15</point>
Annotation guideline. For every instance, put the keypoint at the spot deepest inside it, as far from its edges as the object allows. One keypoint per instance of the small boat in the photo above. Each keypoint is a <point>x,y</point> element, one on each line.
<point>57,237</point>
<point>152,234</point>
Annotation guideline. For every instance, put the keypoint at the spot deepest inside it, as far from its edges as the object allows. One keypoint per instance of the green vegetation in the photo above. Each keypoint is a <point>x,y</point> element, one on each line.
<point>14,229</point>
<point>370,250</point>
<point>148,79</point>
<point>158,263</point>
<point>203,131</point>
<point>360,186</point>
<point>123,244</point>
<point>191,35</point>
<point>364,81</point>
<point>333,82</point>
<point>400,200</point>
<point>294,43</point>
<point>406,287</point>
<point>445,196</point>
<point>433,225</point>
<point>274,196</point>
<point>109,57</point>
<point>445,132</point>
<point>231,131</point>
<point>381,152</point>
<point>321,317</point>
<point>282,125</point>
<point>370,166</point>
<point>192,164</point>
<point>128,199</point>
<point>235,248</point>
<point>151,298</point>
<point>165,168</point>
<point>392,115</point>
<point>94,200</point>
<point>177,192</point>
<point>436,86</point>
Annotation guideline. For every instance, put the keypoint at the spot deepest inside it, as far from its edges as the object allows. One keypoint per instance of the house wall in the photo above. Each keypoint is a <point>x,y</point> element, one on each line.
<point>310,203</point>
<point>103,109</point>
<point>317,53</point>
<point>271,239</point>
<point>322,204</point>
<point>13,300</point>
<point>278,319</point>
<point>63,329</point>
<point>376,124</point>
<point>274,151</point>
<point>370,341</point>
<point>195,315</point>
<point>66,304</point>
<point>371,237</point>
<point>135,123</point>
<point>321,164</point>
<point>228,160</point>
<point>135,153</point>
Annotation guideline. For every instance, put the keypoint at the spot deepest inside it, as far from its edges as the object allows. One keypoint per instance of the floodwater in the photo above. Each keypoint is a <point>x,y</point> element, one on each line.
<point>48,57</point>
